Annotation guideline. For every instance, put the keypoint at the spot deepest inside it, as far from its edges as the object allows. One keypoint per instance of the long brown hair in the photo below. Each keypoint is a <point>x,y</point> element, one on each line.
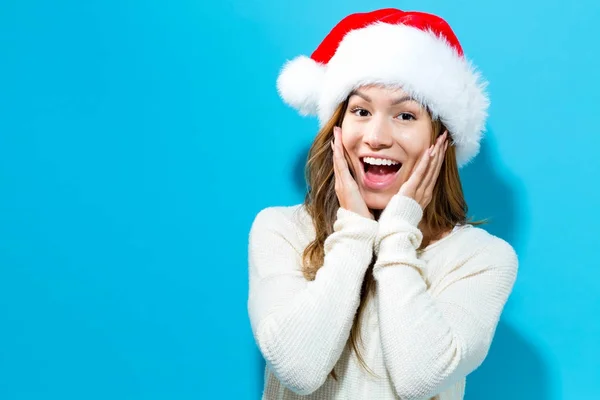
<point>446,209</point>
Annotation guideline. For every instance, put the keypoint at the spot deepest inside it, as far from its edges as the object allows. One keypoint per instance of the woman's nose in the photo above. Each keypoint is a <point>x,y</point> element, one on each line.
<point>378,136</point>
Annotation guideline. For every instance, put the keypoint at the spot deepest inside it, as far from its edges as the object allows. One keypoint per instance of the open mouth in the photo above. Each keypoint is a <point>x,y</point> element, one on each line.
<point>382,169</point>
<point>379,173</point>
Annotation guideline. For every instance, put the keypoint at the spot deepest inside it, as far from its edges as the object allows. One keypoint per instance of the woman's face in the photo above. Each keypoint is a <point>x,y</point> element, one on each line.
<point>384,126</point>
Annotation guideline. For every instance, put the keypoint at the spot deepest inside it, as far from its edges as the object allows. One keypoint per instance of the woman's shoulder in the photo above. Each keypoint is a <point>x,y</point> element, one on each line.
<point>469,251</point>
<point>290,221</point>
<point>290,214</point>
<point>468,241</point>
<point>473,241</point>
<point>490,241</point>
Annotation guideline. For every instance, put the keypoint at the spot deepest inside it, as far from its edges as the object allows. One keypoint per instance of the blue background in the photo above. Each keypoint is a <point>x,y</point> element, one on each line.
<point>138,140</point>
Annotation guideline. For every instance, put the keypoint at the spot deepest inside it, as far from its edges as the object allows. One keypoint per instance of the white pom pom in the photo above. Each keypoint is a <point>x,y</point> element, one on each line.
<point>299,82</point>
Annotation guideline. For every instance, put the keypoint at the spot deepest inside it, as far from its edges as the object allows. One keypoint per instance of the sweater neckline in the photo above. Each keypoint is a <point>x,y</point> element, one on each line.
<point>457,228</point>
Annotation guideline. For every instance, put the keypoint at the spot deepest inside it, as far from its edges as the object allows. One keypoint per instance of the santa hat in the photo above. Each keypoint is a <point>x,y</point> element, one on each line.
<point>415,51</point>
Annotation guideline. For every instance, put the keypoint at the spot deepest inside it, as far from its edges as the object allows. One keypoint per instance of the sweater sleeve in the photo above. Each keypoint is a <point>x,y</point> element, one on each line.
<point>301,326</point>
<point>432,340</point>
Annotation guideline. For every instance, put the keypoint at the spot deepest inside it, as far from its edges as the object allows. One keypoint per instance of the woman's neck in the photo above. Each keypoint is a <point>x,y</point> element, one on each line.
<point>430,237</point>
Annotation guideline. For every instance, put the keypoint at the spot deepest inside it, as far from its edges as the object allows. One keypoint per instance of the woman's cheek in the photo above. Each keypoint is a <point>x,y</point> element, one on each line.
<point>350,139</point>
<point>416,146</point>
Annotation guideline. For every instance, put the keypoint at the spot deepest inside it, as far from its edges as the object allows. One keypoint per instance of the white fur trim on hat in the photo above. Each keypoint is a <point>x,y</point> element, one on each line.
<point>423,64</point>
<point>299,84</point>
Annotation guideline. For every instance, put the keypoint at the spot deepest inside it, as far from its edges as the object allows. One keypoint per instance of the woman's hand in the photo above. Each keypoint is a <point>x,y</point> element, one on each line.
<point>346,188</point>
<point>423,178</point>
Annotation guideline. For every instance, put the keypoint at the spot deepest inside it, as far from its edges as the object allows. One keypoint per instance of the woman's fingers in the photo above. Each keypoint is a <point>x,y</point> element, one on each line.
<point>420,184</point>
<point>338,168</point>
<point>409,188</point>
<point>442,154</point>
<point>340,156</point>
<point>335,172</point>
<point>420,171</point>
<point>346,188</point>
<point>338,181</point>
<point>436,163</point>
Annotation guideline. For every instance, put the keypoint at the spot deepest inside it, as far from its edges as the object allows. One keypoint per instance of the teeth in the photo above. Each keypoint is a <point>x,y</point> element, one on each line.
<point>379,161</point>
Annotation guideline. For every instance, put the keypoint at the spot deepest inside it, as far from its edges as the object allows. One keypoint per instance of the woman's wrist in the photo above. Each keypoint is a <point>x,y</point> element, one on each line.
<point>398,226</point>
<point>401,207</point>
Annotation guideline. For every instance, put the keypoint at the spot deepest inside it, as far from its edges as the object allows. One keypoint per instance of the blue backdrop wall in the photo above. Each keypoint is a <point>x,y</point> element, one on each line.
<point>138,140</point>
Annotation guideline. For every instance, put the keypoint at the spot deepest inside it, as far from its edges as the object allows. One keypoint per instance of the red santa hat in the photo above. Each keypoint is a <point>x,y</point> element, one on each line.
<point>413,50</point>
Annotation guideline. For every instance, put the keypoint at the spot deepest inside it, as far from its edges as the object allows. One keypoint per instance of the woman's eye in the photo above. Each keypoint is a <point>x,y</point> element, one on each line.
<point>360,112</point>
<point>406,116</point>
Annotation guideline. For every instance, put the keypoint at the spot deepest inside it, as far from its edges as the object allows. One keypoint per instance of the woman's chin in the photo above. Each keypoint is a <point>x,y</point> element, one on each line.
<point>377,201</point>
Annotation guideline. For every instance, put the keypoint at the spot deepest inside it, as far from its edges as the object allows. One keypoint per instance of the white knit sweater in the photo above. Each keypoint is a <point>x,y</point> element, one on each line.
<point>429,324</point>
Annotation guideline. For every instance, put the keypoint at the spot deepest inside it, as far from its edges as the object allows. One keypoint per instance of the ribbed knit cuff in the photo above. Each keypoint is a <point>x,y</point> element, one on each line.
<point>353,222</point>
<point>398,228</point>
<point>351,244</point>
<point>402,207</point>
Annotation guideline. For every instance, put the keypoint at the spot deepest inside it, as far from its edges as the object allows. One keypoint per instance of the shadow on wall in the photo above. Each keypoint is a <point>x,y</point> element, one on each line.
<point>260,373</point>
<point>499,198</point>
<point>513,369</point>
<point>298,171</point>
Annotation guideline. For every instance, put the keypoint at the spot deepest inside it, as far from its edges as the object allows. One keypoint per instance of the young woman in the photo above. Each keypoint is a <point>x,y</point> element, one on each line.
<point>377,287</point>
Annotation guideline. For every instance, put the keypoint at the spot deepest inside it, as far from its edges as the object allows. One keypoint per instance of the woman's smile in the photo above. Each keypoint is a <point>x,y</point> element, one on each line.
<point>378,173</point>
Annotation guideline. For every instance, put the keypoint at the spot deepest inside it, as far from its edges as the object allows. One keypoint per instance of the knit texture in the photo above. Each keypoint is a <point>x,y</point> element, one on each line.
<point>429,324</point>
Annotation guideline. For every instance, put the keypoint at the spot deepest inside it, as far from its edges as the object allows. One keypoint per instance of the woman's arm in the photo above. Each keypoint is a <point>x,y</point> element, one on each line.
<point>432,340</point>
<point>300,326</point>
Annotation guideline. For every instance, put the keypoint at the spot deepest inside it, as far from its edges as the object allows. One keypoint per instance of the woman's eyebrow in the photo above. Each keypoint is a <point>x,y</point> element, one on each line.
<point>395,102</point>
<point>402,100</point>
<point>357,93</point>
